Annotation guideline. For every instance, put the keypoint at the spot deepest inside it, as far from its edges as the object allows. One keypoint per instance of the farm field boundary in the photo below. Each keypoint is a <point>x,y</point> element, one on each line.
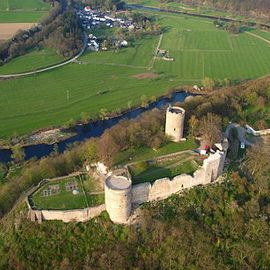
<point>7,30</point>
<point>108,81</point>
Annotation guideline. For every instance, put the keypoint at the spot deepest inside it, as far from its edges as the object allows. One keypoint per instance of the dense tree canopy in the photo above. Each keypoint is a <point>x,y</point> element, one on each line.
<point>223,226</point>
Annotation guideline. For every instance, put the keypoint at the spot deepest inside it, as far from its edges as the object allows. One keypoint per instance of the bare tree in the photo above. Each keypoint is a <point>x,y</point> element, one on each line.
<point>210,128</point>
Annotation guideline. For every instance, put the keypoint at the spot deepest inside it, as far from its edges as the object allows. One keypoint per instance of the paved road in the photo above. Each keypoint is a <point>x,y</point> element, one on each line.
<point>8,76</point>
<point>241,133</point>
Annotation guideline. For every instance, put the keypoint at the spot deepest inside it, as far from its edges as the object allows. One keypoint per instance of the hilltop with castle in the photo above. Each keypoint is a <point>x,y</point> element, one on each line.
<point>122,194</point>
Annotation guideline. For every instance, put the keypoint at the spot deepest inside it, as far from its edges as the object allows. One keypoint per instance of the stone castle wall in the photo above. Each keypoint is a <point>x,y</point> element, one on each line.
<point>162,188</point>
<point>258,132</point>
<point>119,198</point>
<point>77,215</point>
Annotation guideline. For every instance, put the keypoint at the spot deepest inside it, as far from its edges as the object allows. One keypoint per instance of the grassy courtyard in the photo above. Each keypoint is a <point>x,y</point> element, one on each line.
<point>144,153</point>
<point>143,171</point>
<point>199,49</point>
<point>58,195</point>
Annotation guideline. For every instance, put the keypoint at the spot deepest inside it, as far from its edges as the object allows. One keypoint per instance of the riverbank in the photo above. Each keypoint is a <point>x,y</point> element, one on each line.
<point>95,127</point>
<point>169,10</point>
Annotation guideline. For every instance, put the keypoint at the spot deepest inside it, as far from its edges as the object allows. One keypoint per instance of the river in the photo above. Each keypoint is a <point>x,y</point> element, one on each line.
<point>90,130</point>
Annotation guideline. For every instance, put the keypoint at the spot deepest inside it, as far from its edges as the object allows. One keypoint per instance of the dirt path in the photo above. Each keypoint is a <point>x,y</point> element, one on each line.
<point>155,54</point>
<point>254,35</point>
<point>96,192</point>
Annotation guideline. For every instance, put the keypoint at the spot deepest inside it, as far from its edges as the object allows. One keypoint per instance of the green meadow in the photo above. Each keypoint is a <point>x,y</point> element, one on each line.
<point>108,79</point>
<point>19,11</point>
<point>31,61</point>
<point>205,10</point>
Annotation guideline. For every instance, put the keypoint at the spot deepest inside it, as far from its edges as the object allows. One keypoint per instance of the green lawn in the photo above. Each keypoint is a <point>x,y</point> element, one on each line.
<point>200,50</point>
<point>263,34</point>
<point>21,16</point>
<point>204,10</point>
<point>147,154</point>
<point>15,11</point>
<point>65,199</point>
<point>31,61</point>
<point>148,172</point>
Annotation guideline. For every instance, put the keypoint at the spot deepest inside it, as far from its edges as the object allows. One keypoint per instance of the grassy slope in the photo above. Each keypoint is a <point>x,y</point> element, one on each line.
<point>199,50</point>
<point>159,170</point>
<point>14,11</point>
<point>46,94</point>
<point>147,153</point>
<point>31,61</point>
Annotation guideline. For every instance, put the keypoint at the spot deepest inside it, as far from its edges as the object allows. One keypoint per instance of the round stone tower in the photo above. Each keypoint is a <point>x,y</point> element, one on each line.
<point>174,128</point>
<point>118,198</point>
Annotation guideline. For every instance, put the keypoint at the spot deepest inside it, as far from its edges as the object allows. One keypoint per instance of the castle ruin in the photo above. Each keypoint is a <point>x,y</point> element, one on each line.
<point>121,196</point>
<point>174,127</point>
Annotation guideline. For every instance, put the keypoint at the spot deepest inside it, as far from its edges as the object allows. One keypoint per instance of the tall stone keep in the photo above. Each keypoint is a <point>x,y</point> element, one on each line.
<point>118,198</point>
<point>174,128</point>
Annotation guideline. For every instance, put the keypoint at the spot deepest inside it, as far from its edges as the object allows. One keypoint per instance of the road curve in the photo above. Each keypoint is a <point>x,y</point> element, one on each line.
<point>15,75</point>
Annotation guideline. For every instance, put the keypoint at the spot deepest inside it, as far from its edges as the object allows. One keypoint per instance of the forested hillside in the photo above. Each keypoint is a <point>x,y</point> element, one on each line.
<point>222,226</point>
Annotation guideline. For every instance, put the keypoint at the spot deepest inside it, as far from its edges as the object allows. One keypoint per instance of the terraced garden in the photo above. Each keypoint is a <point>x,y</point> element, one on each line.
<point>110,79</point>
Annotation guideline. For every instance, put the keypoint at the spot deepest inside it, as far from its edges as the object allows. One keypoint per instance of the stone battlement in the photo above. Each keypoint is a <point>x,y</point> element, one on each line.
<point>162,188</point>
<point>120,195</point>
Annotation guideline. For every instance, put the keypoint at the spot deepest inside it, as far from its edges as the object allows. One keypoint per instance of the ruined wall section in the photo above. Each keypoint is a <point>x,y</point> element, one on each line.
<point>140,193</point>
<point>163,188</point>
<point>77,215</point>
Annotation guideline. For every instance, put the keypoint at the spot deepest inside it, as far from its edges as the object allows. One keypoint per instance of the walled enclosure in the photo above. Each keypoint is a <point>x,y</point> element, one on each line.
<point>120,195</point>
<point>77,215</point>
<point>162,188</point>
<point>174,126</point>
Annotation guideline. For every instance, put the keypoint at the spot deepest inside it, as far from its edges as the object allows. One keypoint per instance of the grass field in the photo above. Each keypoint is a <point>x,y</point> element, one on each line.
<point>65,199</point>
<point>200,50</point>
<point>31,61</point>
<point>149,172</point>
<point>15,11</point>
<point>205,10</point>
<point>145,153</point>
